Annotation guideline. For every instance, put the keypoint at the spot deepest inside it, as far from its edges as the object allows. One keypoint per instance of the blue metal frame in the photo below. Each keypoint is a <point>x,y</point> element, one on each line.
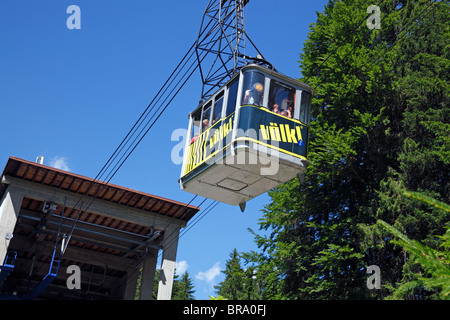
<point>51,275</point>
<point>7,267</point>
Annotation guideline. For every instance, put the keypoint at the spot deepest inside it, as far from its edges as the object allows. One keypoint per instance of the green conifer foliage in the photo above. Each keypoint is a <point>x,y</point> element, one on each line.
<point>380,124</point>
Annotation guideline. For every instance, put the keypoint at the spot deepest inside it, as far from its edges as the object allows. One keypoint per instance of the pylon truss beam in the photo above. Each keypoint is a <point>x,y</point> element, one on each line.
<point>222,38</point>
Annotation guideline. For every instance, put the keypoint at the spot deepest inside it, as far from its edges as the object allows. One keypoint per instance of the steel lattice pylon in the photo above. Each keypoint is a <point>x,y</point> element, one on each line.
<point>221,44</point>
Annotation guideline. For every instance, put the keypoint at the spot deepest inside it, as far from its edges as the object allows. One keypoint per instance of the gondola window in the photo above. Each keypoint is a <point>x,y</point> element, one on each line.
<point>253,88</point>
<point>196,118</point>
<point>281,99</point>
<point>206,117</point>
<point>218,108</point>
<point>305,107</point>
<point>232,97</point>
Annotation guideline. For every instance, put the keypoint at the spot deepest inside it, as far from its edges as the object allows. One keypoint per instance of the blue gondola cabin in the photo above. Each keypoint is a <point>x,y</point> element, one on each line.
<point>247,138</point>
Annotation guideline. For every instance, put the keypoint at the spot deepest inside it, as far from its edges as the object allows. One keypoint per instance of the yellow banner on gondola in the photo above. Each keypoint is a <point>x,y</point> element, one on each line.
<point>257,125</point>
<point>274,131</point>
<point>209,143</point>
<point>281,132</point>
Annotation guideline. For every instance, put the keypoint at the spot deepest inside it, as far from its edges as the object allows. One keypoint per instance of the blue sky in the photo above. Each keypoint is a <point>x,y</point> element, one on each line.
<point>72,95</point>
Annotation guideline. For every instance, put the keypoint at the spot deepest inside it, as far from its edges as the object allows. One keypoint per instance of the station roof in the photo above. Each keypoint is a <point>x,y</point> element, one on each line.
<point>84,186</point>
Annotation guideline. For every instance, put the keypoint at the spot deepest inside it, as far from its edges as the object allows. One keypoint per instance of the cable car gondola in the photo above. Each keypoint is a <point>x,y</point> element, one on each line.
<point>249,137</point>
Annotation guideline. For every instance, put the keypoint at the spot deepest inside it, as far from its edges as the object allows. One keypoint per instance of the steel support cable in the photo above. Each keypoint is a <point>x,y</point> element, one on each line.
<point>143,116</point>
<point>206,211</point>
<point>112,175</point>
<point>190,53</point>
<point>119,165</point>
<point>129,135</point>
<point>148,110</point>
<point>213,204</point>
<point>93,197</point>
<point>150,123</point>
<point>193,65</point>
<point>192,221</point>
<point>135,263</point>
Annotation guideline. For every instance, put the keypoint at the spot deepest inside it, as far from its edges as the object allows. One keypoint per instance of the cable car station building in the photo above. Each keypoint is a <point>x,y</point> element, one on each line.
<point>52,221</point>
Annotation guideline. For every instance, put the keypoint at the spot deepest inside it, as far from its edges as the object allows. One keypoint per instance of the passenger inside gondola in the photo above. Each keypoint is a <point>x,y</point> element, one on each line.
<point>196,125</point>
<point>253,88</point>
<point>287,112</point>
<point>205,125</point>
<point>205,117</point>
<point>254,95</point>
<point>281,98</point>
<point>195,137</point>
<point>276,108</point>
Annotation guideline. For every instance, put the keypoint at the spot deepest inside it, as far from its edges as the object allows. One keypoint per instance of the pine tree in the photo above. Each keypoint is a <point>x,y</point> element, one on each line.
<point>420,135</point>
<point>380,119</point>
<point>183,289</point>
<point>313,249</point>
<point>233,287</point>
<point>435,262</point>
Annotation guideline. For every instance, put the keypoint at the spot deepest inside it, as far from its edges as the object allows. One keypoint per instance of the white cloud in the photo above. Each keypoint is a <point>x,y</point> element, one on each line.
<point>181,267</point>
<point>60,163</point>
<point>210,274</point>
